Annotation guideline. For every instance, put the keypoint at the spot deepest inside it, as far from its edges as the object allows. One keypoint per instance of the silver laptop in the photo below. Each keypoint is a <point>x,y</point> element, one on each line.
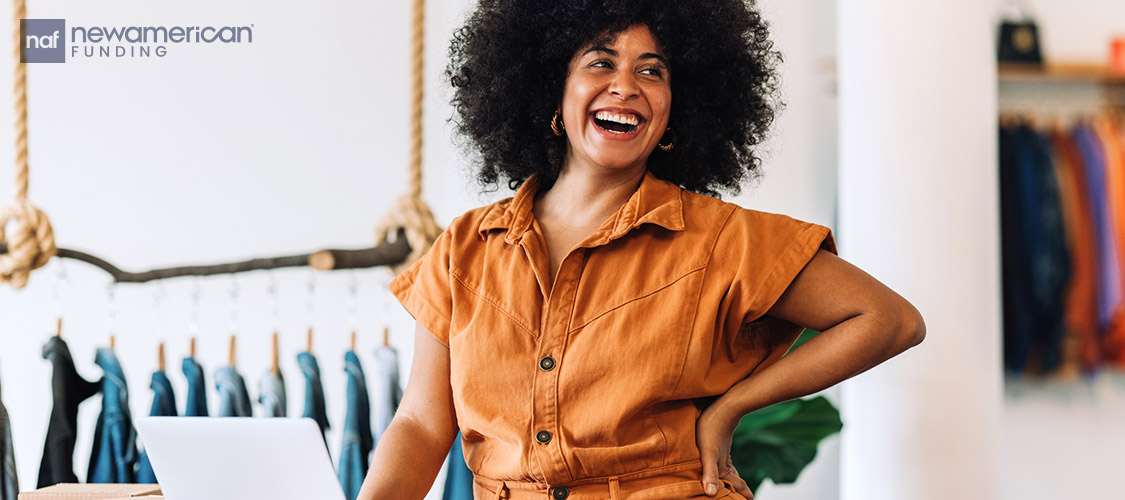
<point>213,458</point>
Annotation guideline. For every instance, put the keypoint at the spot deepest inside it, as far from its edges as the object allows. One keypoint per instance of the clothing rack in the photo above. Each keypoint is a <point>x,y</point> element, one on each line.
<point>386,254</point>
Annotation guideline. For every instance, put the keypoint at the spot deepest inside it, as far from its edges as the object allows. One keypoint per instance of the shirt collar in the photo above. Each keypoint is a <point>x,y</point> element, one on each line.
<point>654,202</point>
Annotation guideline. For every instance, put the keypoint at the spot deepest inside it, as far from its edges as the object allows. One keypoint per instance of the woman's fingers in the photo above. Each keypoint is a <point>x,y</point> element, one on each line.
<point>737,483</point>
<point>728,473</point>
<point>710,471</point>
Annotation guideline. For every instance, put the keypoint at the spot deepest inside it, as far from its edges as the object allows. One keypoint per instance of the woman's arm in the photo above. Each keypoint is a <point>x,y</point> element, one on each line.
<point>411,451</point>
<point>861,323</point>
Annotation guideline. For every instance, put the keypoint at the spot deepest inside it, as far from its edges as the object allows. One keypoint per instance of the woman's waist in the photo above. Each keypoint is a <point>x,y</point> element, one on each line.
<point>680,480</point>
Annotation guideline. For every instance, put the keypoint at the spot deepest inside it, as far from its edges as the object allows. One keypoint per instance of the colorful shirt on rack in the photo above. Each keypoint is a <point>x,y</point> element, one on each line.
<point>1081,316</point>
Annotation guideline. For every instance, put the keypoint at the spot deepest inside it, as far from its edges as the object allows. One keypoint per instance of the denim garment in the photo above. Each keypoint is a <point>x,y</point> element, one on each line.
<point>114,459</point>
<point>197,389</point>
<point>163,405</point>
<point>458,477</point>
<point>1036,266</point>
<point>314,391</point>
<point>234,401</point>
<point>271,395</point>
<point>9,483</point>
<point>386,391</point>
<point>357,443</point>
<point>68,391</point>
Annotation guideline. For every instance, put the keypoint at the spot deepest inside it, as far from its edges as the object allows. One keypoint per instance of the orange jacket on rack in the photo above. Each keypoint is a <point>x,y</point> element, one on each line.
<point>1112,141</point>
<point>594,384</point>
<point>1082,291</point>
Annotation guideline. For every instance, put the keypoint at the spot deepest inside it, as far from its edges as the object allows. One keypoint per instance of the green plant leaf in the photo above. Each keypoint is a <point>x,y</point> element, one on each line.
<point>779,441</point>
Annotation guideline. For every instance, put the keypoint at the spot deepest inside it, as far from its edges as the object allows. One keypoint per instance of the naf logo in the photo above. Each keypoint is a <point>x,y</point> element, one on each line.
<point>42,40</point>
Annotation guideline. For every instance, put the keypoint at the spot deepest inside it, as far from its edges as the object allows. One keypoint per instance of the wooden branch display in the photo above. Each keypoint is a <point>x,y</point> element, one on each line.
<point>385,254</point>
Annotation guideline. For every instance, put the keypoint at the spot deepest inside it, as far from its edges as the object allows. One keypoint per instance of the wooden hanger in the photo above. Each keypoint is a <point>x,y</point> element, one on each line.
<point>352,345</point>
<point>191,348</point>
<point>58,327</point>
<point>232,350</point>
<point>386,336</point>
<point>274,365</point>
<point>112,342</point>
<point>160,357</point>
<point>308,347</point>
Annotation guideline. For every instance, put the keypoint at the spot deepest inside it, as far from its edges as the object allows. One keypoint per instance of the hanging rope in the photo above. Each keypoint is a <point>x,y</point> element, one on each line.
<point>32,242</point>
<point>410,212</point>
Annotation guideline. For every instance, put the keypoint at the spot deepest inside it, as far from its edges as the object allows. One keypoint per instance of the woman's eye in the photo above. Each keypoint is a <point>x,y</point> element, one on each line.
<point>601,63</point>
<point>654,71</point>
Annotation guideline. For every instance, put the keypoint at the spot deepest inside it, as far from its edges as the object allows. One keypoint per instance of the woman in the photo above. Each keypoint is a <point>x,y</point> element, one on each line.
<point>601,333</point>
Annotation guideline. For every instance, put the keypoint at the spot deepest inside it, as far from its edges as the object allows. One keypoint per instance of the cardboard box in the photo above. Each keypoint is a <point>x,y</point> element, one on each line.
<point>69,491</point>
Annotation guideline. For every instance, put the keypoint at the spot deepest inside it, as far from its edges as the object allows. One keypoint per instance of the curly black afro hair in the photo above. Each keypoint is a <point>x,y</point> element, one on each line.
<point>509,65</point>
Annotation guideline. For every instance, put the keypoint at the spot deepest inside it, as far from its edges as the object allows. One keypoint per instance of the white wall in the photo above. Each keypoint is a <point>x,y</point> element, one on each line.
<point>1064,438</point>
<point>293,143</point>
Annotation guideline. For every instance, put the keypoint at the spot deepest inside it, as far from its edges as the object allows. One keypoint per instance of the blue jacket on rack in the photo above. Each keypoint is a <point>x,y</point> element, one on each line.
<point>234,401</point>
<point>271,395</point>
<point>163,405</point>
<point>357,443</point>
<point>114,458</point>
<point>197,389</point>
<point>314,391</point>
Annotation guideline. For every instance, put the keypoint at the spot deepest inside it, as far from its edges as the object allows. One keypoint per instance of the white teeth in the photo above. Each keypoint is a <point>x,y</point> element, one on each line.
<point>617,117</point>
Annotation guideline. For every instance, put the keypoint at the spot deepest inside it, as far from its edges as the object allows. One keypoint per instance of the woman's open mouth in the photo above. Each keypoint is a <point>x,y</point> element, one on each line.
<point>616,123</point>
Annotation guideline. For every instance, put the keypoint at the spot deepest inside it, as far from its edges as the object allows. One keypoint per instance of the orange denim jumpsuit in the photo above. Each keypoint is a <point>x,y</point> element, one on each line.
<point>591,388</point>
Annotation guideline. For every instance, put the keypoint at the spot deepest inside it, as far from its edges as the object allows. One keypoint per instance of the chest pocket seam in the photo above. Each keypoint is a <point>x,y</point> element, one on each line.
<point>491,301</point>
<point>638,297</point>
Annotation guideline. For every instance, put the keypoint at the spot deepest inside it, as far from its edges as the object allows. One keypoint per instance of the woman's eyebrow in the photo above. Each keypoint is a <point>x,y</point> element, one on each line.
<point>613,53</point>
<point>658,57</point>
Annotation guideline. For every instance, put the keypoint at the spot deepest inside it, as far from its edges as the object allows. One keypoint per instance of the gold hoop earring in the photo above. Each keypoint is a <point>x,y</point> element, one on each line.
<point>671,142</point>
<point>557,126</point>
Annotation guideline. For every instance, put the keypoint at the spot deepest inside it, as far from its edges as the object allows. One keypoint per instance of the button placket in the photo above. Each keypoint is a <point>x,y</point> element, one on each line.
<point>552,342</point>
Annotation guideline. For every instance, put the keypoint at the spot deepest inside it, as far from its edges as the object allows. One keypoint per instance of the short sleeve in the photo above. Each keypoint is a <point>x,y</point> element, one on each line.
<point>759,254</point>
<point>424,289</point>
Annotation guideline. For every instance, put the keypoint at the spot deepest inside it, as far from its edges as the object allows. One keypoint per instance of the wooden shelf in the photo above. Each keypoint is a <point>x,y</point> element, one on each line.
<point>1059,73</point>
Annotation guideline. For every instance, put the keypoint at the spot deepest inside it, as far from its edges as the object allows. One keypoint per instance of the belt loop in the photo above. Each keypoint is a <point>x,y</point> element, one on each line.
<point>614,488</point>
<point>501,491</point>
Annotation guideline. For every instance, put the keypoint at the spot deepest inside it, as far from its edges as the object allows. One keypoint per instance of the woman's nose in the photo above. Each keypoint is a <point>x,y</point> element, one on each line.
<point>624,85</point>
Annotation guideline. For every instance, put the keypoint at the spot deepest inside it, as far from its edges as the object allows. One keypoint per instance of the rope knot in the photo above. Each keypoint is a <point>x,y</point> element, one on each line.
<point>30,246</point>
<point>414,216</point>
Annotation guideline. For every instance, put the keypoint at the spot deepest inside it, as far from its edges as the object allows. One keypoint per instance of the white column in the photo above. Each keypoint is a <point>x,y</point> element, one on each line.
<point>919,211</point>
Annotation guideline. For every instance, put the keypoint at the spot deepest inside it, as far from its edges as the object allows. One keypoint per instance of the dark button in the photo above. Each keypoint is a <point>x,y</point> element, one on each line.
<point>543,437</point>
<point>560,493</point>
<point>547,363</point>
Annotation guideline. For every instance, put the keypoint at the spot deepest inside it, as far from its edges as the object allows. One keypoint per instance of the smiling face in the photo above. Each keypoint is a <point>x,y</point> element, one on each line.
<point>616,101</point>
